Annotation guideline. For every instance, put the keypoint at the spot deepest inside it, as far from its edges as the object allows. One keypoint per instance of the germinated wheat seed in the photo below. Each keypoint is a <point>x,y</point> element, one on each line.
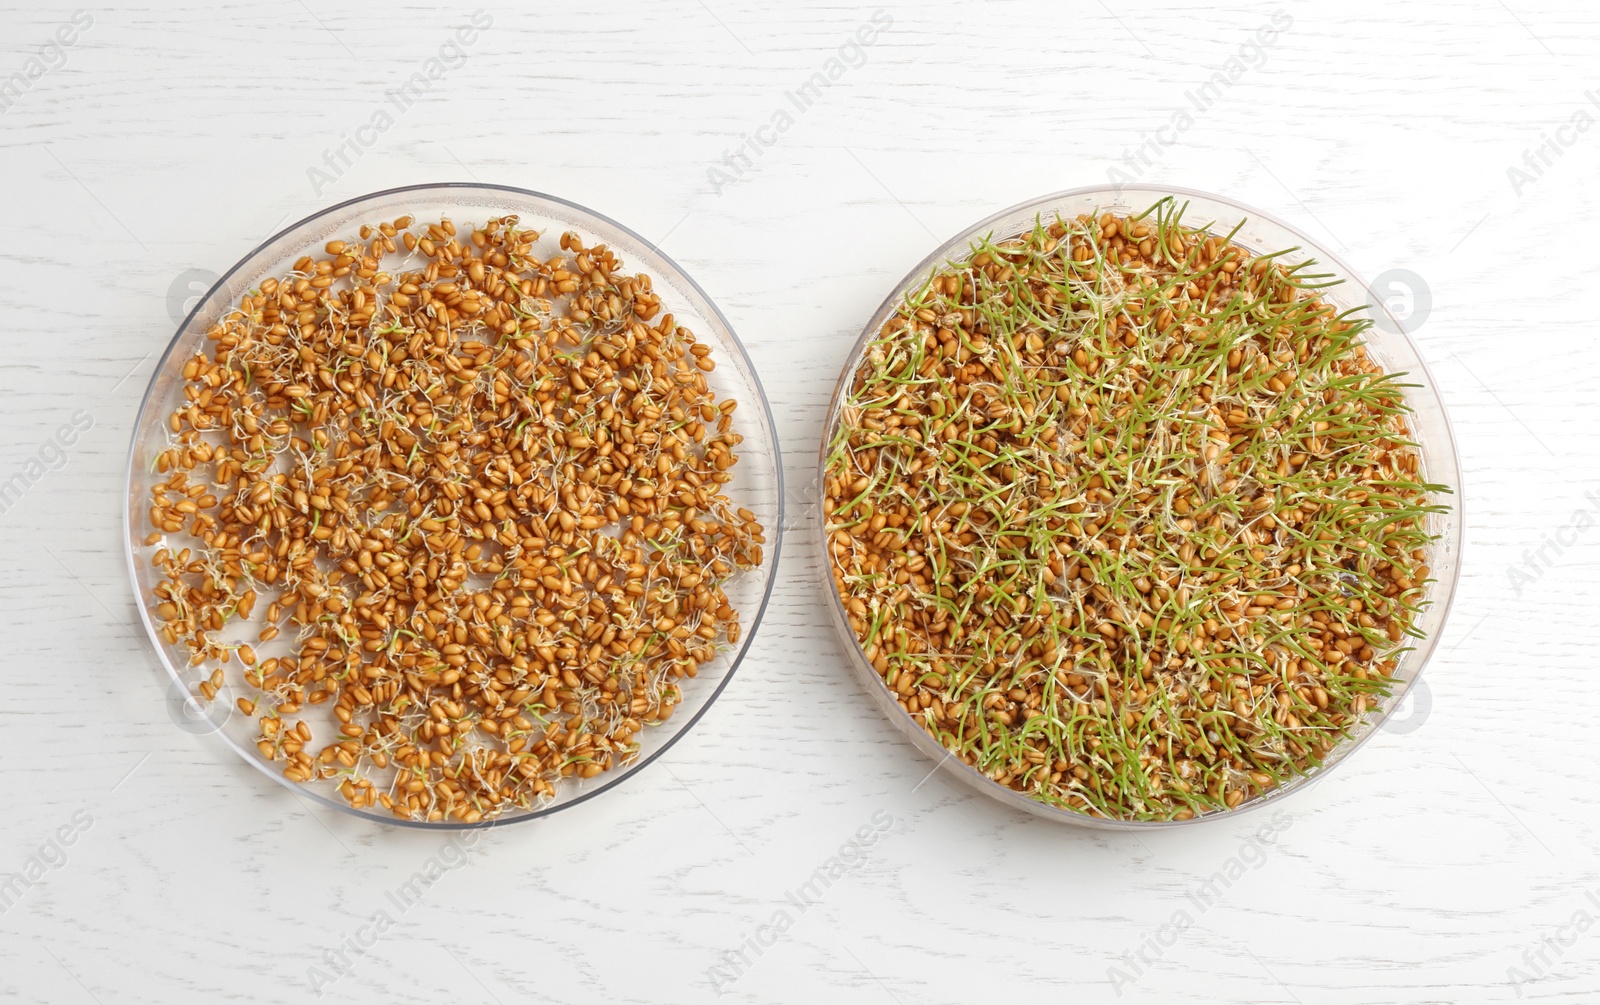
<point>482,500</point>
<point>1126,517</point>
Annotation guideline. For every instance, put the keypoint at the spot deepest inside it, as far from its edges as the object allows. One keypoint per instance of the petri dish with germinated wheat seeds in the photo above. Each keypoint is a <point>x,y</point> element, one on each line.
<point>1132,514</point>
<point>452,505</point>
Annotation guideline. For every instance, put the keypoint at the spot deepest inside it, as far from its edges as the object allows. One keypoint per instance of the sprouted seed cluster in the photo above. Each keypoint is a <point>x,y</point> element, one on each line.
<point>1126,517</point>
<point>477,504</point>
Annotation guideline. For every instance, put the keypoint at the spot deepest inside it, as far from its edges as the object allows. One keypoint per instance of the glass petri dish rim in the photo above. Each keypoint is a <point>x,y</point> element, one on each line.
<point>420,190</point>
<point>1441,457</point>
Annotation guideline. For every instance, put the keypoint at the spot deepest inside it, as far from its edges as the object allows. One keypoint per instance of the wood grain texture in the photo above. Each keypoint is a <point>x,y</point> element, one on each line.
<point>178,136</point>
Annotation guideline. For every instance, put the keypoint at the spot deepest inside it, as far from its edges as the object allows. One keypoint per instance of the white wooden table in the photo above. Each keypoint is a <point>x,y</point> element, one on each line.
<point>1437,866</point>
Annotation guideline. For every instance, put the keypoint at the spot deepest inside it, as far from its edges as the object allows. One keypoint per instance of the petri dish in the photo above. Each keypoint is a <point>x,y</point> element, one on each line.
<point>756,483</point>
<point>1386,342</point>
